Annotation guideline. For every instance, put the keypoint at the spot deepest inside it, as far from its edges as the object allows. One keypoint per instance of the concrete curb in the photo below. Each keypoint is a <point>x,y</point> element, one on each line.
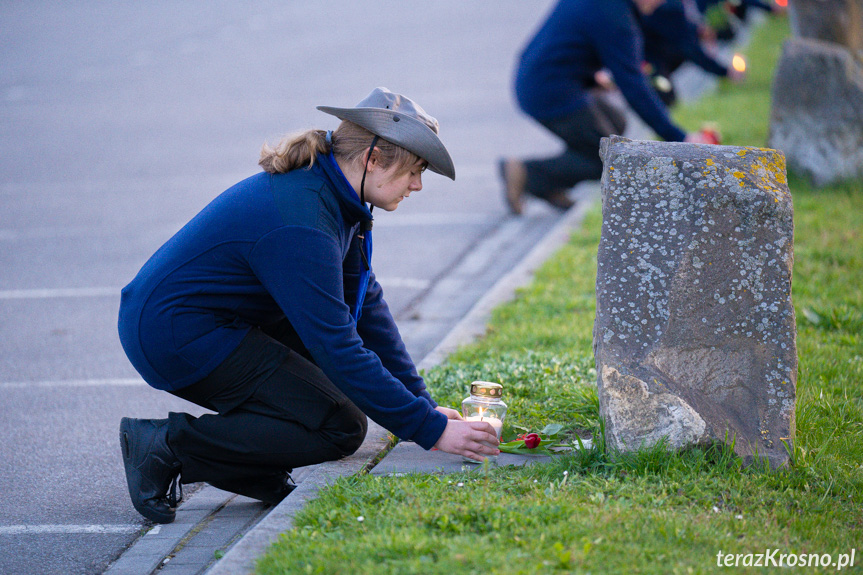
<point>242,556</point>
<point>148,552</point>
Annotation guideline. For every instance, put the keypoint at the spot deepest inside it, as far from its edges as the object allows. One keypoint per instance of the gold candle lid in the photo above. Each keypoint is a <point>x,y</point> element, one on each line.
<point>486,389</point>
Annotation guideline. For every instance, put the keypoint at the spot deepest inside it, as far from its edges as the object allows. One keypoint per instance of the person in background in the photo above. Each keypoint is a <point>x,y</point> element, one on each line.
<point>264,309</point>
<point>555,83</point>
<point>722,17</point>
<point>671,37</point>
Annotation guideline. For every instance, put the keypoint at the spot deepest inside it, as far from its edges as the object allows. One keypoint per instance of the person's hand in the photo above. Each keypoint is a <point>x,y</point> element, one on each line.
<point>604,80</point>
<point>450,413</point>
<point>706,34</point>
<point>736,76</point>
<point>472,439</point>
<point>699,138</point>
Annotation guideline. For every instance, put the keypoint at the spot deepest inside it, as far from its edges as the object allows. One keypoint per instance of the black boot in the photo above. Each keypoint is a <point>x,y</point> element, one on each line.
<point>269,488</point>
<point>559,200</point>
<point>151,468</point>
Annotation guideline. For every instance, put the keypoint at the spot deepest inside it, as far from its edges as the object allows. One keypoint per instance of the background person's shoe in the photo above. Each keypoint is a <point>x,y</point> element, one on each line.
<point>559,200</point>
<point>514,176</point>
<point>269,488</point>
<point>151,468</point>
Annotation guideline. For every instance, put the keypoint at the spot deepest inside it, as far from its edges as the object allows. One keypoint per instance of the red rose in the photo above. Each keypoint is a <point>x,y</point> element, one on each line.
<point>531,440</point>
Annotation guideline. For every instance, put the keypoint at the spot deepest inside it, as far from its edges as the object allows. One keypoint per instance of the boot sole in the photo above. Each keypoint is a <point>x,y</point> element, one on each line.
<point>126,447</point>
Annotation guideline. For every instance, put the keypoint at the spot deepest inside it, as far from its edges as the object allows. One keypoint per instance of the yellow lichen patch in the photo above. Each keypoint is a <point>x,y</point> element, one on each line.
<point>741,153</point>
<point>739,175</point>
<point>709,162</point>
<point>773,163</point>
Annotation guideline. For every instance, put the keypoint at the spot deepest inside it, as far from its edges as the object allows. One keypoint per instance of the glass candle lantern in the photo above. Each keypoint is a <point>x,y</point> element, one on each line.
<point>485,404</point>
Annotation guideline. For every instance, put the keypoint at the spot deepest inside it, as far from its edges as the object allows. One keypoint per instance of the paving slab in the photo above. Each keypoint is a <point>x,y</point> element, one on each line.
<point>408,457</point>
<point>148,553</point>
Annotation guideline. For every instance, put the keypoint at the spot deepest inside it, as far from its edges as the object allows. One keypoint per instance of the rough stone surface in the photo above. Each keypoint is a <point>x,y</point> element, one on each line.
<point>837,21</point>
<point>695,338</point>
<point>817,114</point>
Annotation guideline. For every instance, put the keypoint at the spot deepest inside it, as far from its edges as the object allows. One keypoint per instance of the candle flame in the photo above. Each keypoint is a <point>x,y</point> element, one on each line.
<point>739,63</point>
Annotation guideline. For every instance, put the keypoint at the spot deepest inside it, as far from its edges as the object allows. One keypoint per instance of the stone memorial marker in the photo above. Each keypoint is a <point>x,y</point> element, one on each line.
<point>816,117</point>
<point>837,21</point>
<point>695,337</point>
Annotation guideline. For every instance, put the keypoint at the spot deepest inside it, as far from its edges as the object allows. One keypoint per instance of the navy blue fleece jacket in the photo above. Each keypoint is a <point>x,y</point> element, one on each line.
<point>579,38</point>
<point>670,38</point>
<point>270,247</point>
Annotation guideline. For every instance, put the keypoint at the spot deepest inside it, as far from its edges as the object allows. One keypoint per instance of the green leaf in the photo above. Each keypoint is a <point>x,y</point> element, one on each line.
<point>551,429</point>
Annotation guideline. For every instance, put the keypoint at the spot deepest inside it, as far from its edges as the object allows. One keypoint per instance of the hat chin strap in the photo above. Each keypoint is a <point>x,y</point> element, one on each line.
<point>365,236</point>
<point>366,226</point>
<point>366,169</point>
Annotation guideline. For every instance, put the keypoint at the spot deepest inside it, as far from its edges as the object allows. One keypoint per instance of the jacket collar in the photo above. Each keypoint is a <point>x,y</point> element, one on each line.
<point>351,205</point>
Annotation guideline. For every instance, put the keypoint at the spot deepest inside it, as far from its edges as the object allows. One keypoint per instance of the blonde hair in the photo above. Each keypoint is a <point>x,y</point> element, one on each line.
<point>350,143</point>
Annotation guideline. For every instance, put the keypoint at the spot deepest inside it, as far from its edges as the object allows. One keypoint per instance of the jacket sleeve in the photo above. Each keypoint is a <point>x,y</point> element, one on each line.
<point>381,335</point>
<point>301,268</point>
<point>620,47</point>
<point>378,329</point>
<point>691,48</point>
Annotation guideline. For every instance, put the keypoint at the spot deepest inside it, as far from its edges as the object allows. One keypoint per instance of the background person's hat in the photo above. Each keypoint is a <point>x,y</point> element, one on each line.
<point>400,120</point>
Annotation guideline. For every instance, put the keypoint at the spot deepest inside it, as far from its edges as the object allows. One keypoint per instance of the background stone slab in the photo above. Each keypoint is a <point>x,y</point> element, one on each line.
<point>695,336</point>
<point>817,111</point>
<point>837,21</point>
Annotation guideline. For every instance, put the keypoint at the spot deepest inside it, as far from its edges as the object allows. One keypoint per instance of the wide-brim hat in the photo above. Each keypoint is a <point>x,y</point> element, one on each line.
<point>403,122</point>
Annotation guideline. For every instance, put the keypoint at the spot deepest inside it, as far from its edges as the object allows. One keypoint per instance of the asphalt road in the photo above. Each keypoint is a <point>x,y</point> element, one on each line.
<point>119,121</point>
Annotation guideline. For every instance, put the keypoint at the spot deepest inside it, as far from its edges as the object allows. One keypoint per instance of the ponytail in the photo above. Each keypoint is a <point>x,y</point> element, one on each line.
<point>292,152</point>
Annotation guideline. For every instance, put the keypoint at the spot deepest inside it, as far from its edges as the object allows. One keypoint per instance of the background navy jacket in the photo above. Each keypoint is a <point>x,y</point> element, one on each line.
<point>670,38</point>
<point>579,38</point>
<point>270,247</point>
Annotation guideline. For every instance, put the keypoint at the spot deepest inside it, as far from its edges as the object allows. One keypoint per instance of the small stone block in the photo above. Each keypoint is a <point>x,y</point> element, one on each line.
<point>695,336</point>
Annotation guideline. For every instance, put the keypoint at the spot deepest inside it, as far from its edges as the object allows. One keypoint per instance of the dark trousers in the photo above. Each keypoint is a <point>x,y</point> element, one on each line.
<point>275,410</point>
<point>581,132</point>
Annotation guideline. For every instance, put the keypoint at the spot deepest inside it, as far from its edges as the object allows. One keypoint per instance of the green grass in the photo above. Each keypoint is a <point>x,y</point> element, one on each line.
<point>647,512</point>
